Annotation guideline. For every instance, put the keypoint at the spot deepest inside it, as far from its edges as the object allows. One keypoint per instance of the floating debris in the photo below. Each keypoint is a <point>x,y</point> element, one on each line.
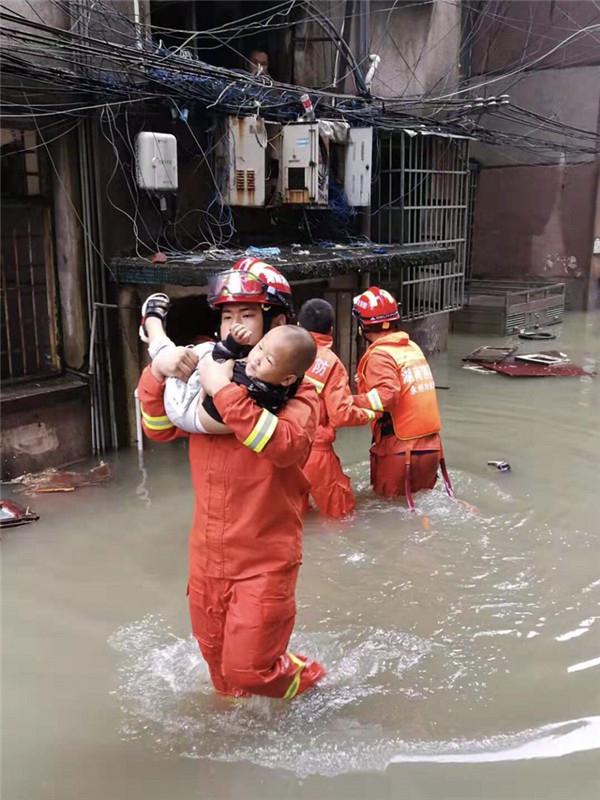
<point>13,514</point>
<point>477,368</point>
<point>53,480</point>
<point>536,334</point>
<point>545,357</point>
<point>489,355</point>
<point>503,466</point>
<point>560,370</point>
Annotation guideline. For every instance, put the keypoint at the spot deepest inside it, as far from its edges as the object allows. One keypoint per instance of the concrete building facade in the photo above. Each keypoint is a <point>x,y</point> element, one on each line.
<point>52,417</point>
<point>535,211</point>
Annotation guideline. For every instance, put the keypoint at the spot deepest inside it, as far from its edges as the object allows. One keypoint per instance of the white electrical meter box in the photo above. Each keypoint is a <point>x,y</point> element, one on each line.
<point>304,164</point>
<point>156,161</point>
<point>246,148</point>
<point>357,166</point>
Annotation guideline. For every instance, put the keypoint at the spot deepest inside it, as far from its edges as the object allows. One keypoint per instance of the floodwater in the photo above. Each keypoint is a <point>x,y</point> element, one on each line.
<point>463,644</point>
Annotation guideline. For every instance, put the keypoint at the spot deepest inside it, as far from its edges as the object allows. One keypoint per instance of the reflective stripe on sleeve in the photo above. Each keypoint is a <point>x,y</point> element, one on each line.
<point>319,385</point>
<point>262,432</point>
<point>375,400</point>
<point>292,689</point>
<point>162,423</point>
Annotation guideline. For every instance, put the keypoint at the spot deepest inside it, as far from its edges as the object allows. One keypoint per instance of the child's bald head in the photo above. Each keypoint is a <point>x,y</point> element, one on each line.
<point>299,346</point>
<point>282,356</point>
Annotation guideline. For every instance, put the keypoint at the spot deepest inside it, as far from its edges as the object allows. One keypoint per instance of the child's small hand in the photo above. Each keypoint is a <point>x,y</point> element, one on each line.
<point>174,362</point>
<point>214,375</point>
<point>240,333</point>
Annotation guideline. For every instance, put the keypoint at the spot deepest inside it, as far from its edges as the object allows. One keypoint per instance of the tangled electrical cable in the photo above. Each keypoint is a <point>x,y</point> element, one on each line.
<point>81,72</point>
<point>114,62</point>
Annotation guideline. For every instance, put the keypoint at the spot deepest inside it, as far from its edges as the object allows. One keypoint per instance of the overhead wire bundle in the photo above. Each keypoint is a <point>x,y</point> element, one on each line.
<point>80,71</point>
<point>105,59</point>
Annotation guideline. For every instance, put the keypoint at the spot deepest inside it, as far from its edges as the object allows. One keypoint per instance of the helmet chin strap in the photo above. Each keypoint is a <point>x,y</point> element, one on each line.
<point>362,328</point>
<point>269,314</point>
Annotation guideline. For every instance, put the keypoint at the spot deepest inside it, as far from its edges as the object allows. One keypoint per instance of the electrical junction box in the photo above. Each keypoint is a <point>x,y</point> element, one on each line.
<point>245,156</point>
<point>156,161</point>
<point>357,166</point>
<point>304,170</point>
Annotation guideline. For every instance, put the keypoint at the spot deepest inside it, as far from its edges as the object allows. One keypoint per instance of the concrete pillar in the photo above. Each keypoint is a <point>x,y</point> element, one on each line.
<point>69,251</point>
<point>430,333</point>
<point>129,320</point>
<point>593,294</point>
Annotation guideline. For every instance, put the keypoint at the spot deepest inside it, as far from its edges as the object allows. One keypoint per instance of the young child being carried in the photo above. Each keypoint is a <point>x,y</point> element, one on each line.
<point>271,371</point>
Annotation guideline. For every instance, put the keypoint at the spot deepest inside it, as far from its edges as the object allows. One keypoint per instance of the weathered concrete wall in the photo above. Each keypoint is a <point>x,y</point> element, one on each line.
<point>418,45</point>
<point>537,219</point>
<point>314,61</point>
<point>593,288</point>
<point>570,96</point>
<point>42,11</point>
<point>542,206</point>
<point>49,429</point>
<point>49,13</point>
<point>535,27</point>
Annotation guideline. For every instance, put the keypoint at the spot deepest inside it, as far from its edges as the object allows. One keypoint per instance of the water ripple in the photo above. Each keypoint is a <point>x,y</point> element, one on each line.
<point>165,694</point>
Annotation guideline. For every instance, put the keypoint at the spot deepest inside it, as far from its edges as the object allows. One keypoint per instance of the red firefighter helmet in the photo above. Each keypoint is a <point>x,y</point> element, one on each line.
<point>375,306</point>
<point>250,280</point>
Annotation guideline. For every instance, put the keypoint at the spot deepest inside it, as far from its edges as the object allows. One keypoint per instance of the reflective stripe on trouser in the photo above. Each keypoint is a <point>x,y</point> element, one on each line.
<point>295,684</point>
<point>330,488</point>
<point>388,472</point>
<point>243,629</point>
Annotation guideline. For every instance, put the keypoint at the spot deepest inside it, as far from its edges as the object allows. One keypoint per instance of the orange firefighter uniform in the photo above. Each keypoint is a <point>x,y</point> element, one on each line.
<point>329,486</point>
<point>394,378</point>
<point>245,544</point>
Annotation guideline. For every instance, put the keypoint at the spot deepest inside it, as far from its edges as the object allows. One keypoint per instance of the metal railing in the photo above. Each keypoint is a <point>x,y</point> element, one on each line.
<point>426,290</point>
<point>422,199</point>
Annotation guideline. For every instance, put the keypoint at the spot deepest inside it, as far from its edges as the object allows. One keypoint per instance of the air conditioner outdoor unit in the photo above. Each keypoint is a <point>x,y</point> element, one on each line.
<point>357,167</point>
<point>245,154</point>
<point>304,165</point>
<point>156,161</point>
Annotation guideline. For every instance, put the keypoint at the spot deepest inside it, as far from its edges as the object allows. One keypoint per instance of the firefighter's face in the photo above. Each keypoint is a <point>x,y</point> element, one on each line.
<point>248,314</point>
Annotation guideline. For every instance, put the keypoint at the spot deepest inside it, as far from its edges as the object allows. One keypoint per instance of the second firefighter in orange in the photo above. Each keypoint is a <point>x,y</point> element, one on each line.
<point>329,486</point>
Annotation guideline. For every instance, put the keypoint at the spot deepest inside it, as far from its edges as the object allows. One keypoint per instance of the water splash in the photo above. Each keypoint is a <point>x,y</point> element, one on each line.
<point>166,696</point>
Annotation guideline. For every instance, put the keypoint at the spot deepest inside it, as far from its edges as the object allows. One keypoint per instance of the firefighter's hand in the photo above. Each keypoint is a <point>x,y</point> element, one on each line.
<point>240,333</point>
<point>214,375</point>
<point>174,362</point>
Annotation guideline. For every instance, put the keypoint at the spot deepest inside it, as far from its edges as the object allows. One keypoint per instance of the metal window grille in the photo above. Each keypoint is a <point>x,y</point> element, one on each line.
<point>28,297</point>
<point>422,199</point>
<point>474,168</point>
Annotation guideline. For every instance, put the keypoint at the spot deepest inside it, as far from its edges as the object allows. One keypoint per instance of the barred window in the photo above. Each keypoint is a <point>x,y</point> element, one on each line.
<point>28,296</point>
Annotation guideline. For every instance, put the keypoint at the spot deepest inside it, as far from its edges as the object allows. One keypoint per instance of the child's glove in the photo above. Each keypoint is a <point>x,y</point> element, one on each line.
<point>156,305</point>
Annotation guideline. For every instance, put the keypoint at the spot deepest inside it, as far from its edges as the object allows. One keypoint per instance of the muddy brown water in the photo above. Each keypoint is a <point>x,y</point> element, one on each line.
<point>463,646</point>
